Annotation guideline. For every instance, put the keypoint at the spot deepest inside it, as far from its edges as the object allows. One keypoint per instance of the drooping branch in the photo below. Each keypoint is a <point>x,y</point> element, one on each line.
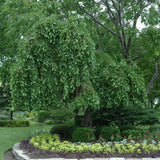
<point>153,79</point>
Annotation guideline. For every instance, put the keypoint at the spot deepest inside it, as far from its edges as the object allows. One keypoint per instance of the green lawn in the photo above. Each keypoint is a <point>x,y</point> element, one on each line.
<point>11,135</point>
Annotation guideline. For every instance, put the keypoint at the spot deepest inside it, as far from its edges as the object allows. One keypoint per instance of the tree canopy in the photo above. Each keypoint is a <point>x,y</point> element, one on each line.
<point>79,54</point>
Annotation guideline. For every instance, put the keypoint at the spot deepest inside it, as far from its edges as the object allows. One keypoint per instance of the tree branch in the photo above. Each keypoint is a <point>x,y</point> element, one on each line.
<point>115,5</point>
<point>110,13</point>
<point>95,19</point>
<point>133,59</point>
<point>154,79</point>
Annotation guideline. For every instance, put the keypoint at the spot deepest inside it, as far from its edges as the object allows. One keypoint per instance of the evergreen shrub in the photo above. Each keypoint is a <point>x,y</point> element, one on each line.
<point>154,128</point>
<point>108,131</point>
<point>83,135</point>
<point>131,132</point>
<point>64,130</point>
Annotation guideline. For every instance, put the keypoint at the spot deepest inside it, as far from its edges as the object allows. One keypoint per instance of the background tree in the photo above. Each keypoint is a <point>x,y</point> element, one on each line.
<point>119,18</point>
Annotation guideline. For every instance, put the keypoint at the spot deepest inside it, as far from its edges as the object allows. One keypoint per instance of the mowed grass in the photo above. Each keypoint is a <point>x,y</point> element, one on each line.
<point>11,135</point>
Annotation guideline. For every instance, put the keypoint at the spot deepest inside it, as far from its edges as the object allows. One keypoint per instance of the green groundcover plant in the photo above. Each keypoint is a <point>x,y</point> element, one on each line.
<point>52,143</point>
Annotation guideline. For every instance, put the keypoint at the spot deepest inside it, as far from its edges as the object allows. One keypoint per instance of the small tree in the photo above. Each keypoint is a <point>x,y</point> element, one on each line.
<point>54,66</point>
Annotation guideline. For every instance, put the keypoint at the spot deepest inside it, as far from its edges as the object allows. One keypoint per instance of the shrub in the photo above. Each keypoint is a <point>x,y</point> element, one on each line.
<point>83,135</point>
<point>50,122</point>
<point>11,123</point>
<point>154,128</point>
<point>108,131</point>
<point>43,115</point>
<point>131,132</point>
<point>126,127</point>
<point>64,130</point>
<point>4,118</point>
<point>97,132</point>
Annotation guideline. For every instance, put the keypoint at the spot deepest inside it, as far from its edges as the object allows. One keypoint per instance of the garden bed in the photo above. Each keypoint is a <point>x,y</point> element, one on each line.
<point>46,146</point>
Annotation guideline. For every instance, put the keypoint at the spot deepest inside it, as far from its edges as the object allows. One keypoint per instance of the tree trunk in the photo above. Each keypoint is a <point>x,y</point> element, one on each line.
<point>87,122</point>
<point>11,115</point>
<point>153,80</point>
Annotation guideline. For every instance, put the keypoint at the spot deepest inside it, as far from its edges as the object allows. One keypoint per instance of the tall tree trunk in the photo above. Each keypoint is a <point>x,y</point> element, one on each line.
<point>87,121</point>
<point>153,80</point>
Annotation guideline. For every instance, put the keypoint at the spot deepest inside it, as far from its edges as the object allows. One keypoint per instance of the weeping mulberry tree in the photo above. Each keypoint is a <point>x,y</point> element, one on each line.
<point>53,66</point>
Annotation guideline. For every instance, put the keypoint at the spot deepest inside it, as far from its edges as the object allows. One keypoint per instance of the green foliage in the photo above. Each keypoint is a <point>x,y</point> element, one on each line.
<point>131,133</point>
<point>11,123</point>
<point>108,131</point>
<point>83,135</point>
<point>64,130</point>
<point>79,120</point>
<point>119,85</point>
<point>2,117</point>
<point>54,60</point>
<point>154,128</point>
<point>126,127</point>
<point>54,144</point>
<point>134,115</point>
<point>88,97</point>
<point>50,122</point>
<point>43,115</point>
<point>62,115</point>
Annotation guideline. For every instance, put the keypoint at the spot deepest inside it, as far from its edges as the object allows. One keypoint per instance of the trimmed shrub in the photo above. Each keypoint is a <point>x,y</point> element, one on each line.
<point>64,130</point>
<point>83,135</point>
<point>11,123</point>
<point>4,118</point>
<point>108,131</point>
<point>131,132</point>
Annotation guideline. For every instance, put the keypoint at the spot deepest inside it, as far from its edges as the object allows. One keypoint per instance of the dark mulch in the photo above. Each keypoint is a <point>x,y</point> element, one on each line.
<point>9,155</point>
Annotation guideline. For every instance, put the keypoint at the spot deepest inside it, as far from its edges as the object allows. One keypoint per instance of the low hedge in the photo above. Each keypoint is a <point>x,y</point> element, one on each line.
<point>12,123</point>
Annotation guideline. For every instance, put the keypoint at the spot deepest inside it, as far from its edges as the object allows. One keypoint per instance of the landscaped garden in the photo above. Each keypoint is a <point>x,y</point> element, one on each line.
<point>84,144</point>
<point>80,78</point>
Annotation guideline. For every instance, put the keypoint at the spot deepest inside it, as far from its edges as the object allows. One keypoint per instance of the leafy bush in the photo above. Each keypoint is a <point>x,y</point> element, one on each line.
<point>131,132</point>
<point>154,128</point>
<point>108,131</point>
<point>50,122</point>
<point>43,115</point>
<point>4,118</point>
<point>11,123</point>
<point>83,135</point>
<point>64,130</point>
<point>97,132</point>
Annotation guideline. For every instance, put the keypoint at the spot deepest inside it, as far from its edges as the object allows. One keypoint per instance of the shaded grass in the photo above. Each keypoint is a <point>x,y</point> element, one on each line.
<point>11,135</point>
